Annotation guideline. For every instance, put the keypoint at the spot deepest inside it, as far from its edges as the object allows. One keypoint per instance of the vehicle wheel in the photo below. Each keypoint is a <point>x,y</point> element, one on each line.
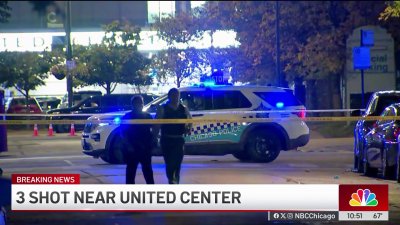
<point>368,171</point>
<point>263,146</point>
<point>242,155</point>
<point>387,171</point>
<point>114,154</point>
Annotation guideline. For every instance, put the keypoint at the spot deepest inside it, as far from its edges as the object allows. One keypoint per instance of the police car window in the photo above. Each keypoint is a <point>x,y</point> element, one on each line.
<point>153,106</point>
<point>229,100</point>
<point>272,98</point>
<point>195,101</point>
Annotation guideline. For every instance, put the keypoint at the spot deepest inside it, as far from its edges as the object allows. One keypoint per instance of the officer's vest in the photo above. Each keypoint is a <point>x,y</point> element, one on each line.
<point>169,113</point>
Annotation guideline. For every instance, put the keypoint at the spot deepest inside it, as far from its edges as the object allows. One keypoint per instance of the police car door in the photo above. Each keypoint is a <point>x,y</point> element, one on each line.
<point>199,103</point>
<point>228,102</point>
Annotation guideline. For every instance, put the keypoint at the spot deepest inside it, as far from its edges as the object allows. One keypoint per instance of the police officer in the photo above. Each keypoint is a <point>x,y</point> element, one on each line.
<point>139,143</point>
<point>5,197</point>
<point>172,135</point>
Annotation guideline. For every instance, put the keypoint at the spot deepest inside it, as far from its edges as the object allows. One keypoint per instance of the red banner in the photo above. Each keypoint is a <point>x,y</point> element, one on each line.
<point>364,197</point>
<point>45,178</point>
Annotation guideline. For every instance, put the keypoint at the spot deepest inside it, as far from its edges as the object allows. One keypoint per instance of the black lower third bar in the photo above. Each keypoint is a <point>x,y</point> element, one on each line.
<point>303,216</point>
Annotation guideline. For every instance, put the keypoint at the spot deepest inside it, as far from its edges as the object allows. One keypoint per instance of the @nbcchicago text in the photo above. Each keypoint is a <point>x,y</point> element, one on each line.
<point>312,216</point>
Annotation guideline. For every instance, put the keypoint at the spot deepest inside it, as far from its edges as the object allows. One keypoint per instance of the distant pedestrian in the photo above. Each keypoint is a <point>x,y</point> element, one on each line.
<point>139,143</point>
<point>172,135</point>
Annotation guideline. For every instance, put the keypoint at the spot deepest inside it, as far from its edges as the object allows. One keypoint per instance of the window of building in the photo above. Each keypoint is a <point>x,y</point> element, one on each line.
<point>195,4</point>
<point>159,9</point>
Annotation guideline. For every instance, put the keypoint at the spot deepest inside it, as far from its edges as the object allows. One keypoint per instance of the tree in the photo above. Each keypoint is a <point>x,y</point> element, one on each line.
<point>4,11</point>
<point>313,48</point>
<point>25,71</point>
<point>116,59</point>
<point>179,60</point>
<point>245,18</point>
<point>392,10</point>
<point>179,64</point>
<point>59,69</point>
<point>136,70</point>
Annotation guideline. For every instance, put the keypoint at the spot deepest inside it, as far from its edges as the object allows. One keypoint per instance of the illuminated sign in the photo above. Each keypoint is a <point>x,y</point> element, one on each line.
<point>367,38</point>
<point>25,42</point>
<point>150,41</point>
<point>361,58</point>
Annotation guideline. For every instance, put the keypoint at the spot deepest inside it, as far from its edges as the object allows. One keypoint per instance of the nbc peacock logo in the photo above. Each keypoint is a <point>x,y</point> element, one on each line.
<point>363,198</point>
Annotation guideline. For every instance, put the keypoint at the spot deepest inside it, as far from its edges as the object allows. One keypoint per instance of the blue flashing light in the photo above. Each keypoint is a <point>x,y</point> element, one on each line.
<point>279,105</point>
<point>209,83</point>
<point>117,120</point>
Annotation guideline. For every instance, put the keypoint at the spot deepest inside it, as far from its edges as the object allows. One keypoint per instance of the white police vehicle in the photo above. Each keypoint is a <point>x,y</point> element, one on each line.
<point>260,142</point>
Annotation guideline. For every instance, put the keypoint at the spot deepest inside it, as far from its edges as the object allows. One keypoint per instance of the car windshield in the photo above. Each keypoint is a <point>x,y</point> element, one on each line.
<point>385,101</point>
<point>21,101</point>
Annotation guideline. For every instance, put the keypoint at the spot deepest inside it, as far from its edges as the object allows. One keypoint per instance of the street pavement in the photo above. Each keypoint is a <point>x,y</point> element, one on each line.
<point>322,161</point>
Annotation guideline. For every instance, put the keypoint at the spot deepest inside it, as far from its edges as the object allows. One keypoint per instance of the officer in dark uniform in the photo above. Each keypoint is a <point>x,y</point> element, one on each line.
<point>5,197</point>
<point>139,143</point>
<point>172,135</point>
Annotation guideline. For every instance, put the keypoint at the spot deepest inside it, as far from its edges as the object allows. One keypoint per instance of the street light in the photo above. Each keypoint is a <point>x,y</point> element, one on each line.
<point>69,53</point>
<point>279,80</point>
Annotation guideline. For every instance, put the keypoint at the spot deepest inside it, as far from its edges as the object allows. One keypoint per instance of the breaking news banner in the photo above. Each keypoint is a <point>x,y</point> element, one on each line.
<point>306,202</point>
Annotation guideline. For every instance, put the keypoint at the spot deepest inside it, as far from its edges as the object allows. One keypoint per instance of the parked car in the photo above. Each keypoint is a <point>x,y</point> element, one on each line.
<point>91,105</point>
<point>17,105</point>
<point>377,103</point>
<point>78,97</point>
<point>260,142</point>
<point>381,148</point>
<point>48,103</point>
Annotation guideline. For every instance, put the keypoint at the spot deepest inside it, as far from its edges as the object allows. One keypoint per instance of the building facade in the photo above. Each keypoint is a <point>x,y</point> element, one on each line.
<point>29,30</point>
<point>379,77</point>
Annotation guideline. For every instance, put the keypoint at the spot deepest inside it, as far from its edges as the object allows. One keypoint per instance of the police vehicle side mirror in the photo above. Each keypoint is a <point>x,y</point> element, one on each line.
<point>356,112</point>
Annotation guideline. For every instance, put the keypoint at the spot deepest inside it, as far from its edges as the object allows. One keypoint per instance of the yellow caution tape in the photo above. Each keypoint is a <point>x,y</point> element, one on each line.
<point>201,120</point>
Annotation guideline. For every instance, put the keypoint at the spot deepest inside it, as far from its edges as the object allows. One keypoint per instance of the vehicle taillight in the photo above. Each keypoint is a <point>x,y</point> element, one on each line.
<point>301,114</point>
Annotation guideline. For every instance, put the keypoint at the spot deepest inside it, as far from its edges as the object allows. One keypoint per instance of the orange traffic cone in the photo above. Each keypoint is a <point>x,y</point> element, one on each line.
<point>72,131</point>
<point>35,131</point>
<point>51,132</point>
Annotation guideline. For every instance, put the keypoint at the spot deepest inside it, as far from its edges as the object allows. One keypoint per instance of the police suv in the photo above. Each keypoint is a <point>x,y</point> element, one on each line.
<point>260,142</point>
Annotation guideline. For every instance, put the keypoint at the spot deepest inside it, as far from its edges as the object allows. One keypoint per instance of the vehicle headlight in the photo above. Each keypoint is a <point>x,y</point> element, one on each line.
<point>117,120</point>
<point>90,127</point>
<point>93,125</point>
